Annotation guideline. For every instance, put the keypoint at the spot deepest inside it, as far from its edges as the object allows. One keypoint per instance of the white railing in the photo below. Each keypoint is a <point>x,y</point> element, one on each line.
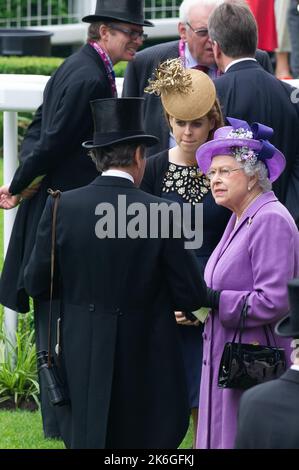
<point>68,27</point>
<point>163,9</point>
<point>29,13</point>
<point>17,93</point>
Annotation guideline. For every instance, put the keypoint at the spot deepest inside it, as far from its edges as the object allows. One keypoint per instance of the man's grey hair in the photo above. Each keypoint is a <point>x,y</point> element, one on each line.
<point>117,155</point>
<point>93,32</point>
<point>186,5</point>
<point>234,28</point>
<point>260,170</point>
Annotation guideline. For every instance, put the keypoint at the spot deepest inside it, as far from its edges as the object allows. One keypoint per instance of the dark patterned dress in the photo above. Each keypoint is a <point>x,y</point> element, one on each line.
<point>187,184</point>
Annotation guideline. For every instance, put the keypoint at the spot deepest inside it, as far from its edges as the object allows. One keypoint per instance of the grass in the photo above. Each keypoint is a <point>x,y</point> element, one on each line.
<point>23,430</point>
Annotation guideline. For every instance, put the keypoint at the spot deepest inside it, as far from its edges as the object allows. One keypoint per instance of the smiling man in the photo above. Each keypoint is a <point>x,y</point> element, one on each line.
<point>53,145</point>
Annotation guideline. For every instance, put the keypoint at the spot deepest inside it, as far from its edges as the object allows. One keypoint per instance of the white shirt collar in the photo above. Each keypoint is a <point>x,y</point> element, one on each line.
<point>295,367</point>
<point>189,61</point>
<point>237,61</point>
<point>118,174</point>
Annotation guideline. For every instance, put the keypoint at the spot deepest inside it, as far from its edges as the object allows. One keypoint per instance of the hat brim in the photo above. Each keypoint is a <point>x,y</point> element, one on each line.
<point>213,148</point>
<point>97,18</point>
<point>194,104</point>
<point>148,140</point>
<point>284,328</point>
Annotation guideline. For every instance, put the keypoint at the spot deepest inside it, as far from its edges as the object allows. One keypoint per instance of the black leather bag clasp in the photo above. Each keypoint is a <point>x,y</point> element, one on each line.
<point>244,365</point>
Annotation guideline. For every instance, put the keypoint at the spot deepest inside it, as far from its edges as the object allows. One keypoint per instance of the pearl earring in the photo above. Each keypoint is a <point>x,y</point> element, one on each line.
<point>249,188</point>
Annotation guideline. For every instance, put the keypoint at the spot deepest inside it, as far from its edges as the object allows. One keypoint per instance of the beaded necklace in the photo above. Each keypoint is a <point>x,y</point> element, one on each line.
<point>187,181</point>
<point>108,66</point>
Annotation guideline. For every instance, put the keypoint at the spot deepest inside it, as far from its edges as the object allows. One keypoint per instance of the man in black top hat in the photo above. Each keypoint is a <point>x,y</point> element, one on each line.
<point>119,338</point>
<point>269,413</point>
<point>52,149</point>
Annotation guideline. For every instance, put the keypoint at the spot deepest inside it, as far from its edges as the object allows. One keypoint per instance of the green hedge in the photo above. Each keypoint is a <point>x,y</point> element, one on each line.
<point>37,66</point>
<point>41,65</point>
<point>29,65</point>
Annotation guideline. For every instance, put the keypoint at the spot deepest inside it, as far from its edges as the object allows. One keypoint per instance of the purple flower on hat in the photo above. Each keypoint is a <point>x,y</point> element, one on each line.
<point>241,129</point>
<point>246,154</point>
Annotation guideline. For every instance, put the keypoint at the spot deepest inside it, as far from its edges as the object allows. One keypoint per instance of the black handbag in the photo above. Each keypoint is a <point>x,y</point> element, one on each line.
<point>244,365</point>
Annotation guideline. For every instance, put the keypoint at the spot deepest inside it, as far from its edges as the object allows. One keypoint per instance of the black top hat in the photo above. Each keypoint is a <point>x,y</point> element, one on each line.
<point>128,11</point>
<point>118,120</point>
<point>289,325</point>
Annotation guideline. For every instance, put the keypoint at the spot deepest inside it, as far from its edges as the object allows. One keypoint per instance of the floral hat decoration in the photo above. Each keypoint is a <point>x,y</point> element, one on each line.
<point>186,94</point>
<point>246,143</point>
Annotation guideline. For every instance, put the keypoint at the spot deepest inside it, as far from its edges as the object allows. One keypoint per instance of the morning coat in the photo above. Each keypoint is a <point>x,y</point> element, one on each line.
<point>269,415</point>
<point>120,346</point>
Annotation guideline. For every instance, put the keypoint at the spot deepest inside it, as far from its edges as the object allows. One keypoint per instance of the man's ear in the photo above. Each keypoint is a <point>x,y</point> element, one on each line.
<point>216,50</point>
<point>182,29</point>
<point>139,156</point>
<point>104,30</point>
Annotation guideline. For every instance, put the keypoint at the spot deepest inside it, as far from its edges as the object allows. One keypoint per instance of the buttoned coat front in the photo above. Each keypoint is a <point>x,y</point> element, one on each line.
<point>120,346</point>
<point>256,258</point>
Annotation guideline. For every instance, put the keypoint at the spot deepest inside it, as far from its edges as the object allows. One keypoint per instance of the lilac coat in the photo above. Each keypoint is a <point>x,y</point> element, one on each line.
<point>258,257</point>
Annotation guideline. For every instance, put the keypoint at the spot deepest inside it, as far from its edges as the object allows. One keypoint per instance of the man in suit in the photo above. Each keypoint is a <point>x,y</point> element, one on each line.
<point>247,92</point>
<point>195,49</point>
<point>269,414</point>
<point>120,347</point>
<point>53,145</point>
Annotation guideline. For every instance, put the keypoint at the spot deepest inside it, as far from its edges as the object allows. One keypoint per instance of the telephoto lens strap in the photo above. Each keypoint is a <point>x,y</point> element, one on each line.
<point>56,195</point>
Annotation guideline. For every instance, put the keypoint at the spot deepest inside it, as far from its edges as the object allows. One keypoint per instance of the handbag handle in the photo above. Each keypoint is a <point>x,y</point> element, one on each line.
<point>56,195</point>
<point>241,326</point>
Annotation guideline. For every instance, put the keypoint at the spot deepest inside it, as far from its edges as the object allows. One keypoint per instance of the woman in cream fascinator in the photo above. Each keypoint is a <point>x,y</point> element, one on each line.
<point>193,114</point>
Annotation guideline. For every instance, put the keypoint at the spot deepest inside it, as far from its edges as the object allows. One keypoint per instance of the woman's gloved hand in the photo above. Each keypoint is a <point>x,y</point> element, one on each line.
<point>212,298</point>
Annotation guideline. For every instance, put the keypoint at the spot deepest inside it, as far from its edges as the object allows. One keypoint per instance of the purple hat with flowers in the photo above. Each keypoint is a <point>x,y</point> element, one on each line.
<point>246,143</point>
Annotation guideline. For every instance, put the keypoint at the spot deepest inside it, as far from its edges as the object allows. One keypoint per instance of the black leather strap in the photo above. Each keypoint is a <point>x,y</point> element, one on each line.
<point>56,195</point>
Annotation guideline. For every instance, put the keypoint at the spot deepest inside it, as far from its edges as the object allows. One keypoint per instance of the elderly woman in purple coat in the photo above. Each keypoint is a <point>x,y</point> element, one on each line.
<point>256,257</point>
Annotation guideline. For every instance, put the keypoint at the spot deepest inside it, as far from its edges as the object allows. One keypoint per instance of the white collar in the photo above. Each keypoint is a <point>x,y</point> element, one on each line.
<point>118,174</point>
<point>237,61</point>
<point>189,61</point>
<point>295,367</point>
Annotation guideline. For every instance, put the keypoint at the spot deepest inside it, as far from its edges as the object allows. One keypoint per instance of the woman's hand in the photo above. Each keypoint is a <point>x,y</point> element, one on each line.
<point>182,320</point>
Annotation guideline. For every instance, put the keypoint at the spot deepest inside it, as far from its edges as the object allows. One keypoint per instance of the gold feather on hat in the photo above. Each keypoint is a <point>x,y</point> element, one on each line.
<point>170,77</point>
